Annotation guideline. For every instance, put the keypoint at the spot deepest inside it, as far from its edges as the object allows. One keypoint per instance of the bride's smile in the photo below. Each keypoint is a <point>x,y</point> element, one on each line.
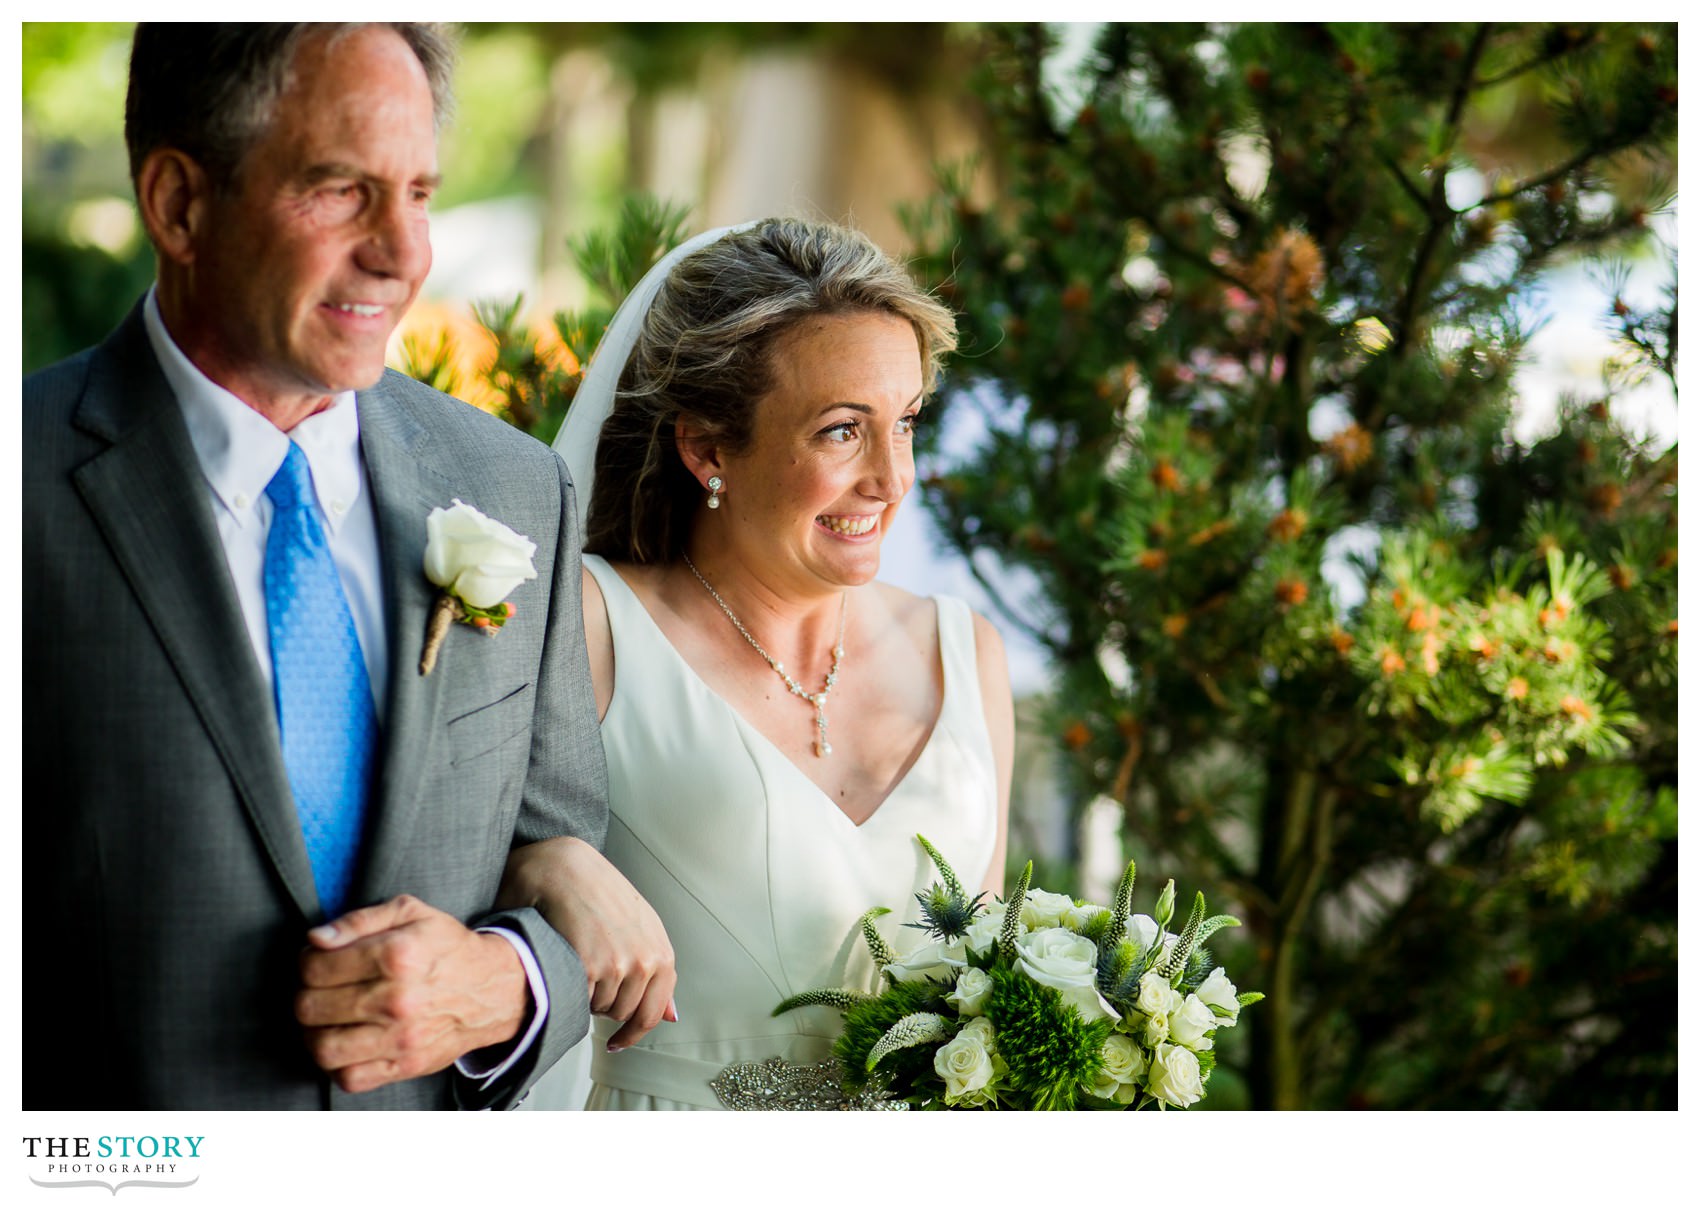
<point>831,455</point>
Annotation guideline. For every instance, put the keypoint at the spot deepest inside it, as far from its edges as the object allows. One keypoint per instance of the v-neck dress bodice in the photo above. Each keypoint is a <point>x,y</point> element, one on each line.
<point>758,876</point>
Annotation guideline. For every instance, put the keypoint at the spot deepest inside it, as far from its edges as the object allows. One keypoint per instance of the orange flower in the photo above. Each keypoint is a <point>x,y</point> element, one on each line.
<point>1164,476</point>
<point>1214,530</point>
<point>1352,447</point>
<point>1431,654</point>
<point>1288,525</point>
<point>1341,641</point>
<point>1291,591</point>
<point>1153,559</point>
<point>1077,736</point>
<point>1571,705</point>
<point>1484,647</point>
<point>1517,688</point>
<point>1391,661</point>
<point>1174,626</point>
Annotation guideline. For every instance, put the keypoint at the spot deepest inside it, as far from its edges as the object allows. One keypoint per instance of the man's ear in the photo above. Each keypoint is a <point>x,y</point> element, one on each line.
<point>174,194</point>
<point>699,449</point>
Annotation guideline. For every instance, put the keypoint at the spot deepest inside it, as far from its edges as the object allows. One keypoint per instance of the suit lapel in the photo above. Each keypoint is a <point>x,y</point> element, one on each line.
<point>403,493</point>
<point>147,494</point>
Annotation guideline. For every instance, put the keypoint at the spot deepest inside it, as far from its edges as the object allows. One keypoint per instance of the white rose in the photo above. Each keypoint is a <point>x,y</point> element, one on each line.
<point>964,1063</point>
<point>1156,996</point>
<point>1156,1028</point>
<point>1122,1066</point>
<point>1078,917</point>
<point>1188,1024</point>
<point>476,558</point>
<point>1218,990</point>
<point>1060,959</point>
<point>1123,1059</point>
<point>983,931</point>
<point>931,958</point>
<point>969,996</point>
<point>1143,930</point>
<point>1174,1076</point>
<point>982,1030</point>
<point>1041,909</point>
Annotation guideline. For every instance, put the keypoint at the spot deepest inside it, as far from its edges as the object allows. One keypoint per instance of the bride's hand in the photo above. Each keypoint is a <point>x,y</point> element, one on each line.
<point>619,939</point>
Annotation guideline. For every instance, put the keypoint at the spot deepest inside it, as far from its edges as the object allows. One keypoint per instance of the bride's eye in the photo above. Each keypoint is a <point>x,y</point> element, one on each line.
<point>908,424</point>
<point>844,431</point>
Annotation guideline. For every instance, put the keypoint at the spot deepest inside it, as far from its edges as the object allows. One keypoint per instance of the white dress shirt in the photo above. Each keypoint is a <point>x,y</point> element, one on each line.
<point>239,452</point>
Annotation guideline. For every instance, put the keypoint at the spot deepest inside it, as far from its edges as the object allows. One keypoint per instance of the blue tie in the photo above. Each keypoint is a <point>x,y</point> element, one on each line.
<point>324,697</point>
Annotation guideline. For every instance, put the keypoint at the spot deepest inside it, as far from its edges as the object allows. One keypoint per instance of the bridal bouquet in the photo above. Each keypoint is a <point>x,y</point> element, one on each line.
<point>1040,1003</point>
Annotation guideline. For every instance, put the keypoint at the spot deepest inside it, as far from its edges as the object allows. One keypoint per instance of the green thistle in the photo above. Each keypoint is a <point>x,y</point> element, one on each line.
<point>1051,1051</point>
<point>1119,971</point>
<point>907,1032</point>
<point>1012,914</point>
<point>946,913</point>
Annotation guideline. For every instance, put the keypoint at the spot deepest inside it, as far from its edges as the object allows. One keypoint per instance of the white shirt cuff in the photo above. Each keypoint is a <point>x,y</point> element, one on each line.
<point>539,1014</point>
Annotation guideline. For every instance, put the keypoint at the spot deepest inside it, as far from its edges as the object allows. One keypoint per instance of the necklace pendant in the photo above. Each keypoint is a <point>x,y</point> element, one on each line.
<point>822,749</point>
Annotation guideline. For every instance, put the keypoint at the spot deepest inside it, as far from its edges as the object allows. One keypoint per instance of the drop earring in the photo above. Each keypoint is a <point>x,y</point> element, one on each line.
<point>715,484</point>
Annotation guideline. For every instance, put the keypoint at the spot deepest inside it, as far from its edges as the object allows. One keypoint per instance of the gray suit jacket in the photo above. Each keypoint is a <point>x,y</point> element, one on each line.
<point>167,888</point>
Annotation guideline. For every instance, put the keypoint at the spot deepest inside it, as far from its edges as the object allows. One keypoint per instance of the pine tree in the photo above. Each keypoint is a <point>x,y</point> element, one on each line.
<point>1252,299</point>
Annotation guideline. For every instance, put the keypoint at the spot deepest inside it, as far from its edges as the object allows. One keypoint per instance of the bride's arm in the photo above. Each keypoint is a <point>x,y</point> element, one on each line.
<point>1000,722</point>
<point>618,937</point>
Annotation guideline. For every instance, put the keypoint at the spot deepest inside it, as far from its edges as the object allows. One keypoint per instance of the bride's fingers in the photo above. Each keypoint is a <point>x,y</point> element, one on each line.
<point>656,1002</point>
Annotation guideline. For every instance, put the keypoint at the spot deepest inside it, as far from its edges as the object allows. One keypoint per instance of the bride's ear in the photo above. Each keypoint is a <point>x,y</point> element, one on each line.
<point>699,449</point>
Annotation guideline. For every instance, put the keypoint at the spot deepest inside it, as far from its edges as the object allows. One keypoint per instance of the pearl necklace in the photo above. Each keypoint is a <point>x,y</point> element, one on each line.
<point>818,701</point>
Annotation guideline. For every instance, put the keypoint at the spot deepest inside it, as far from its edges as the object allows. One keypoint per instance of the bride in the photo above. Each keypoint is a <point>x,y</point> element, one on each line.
<point>778,724</point>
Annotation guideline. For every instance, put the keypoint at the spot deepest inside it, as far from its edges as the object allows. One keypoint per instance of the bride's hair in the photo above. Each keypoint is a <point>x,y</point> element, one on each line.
<point>705,352</point>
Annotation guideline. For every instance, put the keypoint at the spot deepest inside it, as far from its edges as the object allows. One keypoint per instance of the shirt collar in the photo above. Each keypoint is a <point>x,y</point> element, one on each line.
<point>239,450</point>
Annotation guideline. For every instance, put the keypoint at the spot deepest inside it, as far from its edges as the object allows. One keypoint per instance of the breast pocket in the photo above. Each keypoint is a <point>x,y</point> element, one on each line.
<point>472,734</point>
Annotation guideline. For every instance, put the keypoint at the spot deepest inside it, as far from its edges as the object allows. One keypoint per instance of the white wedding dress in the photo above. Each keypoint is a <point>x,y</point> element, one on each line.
<point>757,875</point>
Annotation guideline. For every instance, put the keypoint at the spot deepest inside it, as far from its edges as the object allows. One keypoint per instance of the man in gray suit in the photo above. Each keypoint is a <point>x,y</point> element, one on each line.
<point>174,863</point>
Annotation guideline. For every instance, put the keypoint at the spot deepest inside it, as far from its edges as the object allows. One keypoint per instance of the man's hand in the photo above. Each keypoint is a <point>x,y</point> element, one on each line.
<point>399,990</point>
<point>627,957</point>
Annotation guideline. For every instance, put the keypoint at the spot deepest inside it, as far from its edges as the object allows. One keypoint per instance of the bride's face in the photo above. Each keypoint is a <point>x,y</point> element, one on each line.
<point>832,453</point>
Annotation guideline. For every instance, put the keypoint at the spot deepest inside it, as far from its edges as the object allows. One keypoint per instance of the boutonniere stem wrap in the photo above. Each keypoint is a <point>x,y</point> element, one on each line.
<point>477,562</point>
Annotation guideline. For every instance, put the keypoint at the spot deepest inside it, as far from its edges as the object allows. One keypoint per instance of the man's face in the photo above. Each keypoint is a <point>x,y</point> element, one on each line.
<point>300,274</point>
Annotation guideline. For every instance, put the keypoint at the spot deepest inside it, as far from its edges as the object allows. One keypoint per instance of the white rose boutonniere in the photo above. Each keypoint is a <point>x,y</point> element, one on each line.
<point>477,562</point>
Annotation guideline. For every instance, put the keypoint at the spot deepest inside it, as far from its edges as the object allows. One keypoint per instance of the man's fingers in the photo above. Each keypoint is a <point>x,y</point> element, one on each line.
<point>336,1048</point>
<point>364,922</point>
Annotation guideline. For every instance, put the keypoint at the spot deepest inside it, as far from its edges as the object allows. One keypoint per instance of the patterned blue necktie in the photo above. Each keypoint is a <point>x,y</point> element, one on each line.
<point>324,697</point>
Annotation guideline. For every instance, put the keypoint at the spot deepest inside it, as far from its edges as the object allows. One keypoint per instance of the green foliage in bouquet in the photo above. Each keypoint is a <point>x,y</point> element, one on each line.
<point>1041,1004</point>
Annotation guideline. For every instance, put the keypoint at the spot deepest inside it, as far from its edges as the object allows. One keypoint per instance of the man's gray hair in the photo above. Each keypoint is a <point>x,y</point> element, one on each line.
<point>210,89</point>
